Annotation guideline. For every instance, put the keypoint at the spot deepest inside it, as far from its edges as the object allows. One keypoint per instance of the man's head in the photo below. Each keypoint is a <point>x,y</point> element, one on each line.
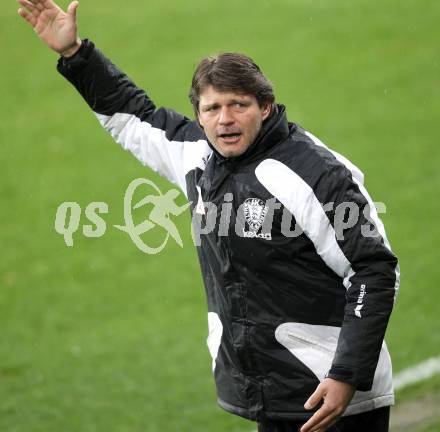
<point>231,99</point>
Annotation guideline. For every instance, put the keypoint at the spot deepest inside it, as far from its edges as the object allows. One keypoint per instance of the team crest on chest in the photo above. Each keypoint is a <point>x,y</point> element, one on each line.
<point>255,211</point>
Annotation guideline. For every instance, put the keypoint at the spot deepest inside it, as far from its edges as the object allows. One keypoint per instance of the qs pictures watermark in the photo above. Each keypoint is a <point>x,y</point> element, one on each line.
<point>253,219</point>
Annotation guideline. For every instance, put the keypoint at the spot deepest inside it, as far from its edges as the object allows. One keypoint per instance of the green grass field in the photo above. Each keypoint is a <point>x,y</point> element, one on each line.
<point>101,337</point>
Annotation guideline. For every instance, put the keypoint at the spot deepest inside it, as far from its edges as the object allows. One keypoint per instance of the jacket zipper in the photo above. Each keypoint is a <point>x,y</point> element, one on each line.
<point>311,344</point>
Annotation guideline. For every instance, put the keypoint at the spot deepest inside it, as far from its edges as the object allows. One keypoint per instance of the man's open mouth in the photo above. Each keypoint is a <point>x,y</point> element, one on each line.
<point>229,135</point>
<point>230,138</point>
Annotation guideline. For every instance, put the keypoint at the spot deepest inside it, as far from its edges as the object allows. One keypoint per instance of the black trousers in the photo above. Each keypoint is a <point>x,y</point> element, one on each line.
<point>371,421</point>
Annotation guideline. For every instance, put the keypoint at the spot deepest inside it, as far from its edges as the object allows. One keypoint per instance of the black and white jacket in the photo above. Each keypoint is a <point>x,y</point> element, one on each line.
<point>290,301</point>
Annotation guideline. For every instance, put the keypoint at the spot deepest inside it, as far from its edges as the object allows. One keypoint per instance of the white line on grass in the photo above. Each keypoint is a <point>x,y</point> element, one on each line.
<point>419,372</point>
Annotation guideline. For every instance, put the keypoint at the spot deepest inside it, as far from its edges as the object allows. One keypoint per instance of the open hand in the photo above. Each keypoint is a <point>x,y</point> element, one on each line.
<point>56,28</point>
<point>336,395</point>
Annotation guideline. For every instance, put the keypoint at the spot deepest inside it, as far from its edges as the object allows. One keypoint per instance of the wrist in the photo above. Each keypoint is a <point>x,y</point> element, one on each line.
<point>72,50</point>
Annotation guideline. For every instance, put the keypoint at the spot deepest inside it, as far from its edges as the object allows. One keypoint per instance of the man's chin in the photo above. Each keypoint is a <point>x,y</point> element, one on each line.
<point>230,151</point>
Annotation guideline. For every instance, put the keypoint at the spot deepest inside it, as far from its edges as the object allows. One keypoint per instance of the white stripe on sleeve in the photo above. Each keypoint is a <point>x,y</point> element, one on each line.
<point>358,178</point>
<point>171,159</point>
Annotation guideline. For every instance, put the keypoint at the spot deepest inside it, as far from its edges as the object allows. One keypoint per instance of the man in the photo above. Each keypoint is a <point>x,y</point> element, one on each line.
<point>296,318</point>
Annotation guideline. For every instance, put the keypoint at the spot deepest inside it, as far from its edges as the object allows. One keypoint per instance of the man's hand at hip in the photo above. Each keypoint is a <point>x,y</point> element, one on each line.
<point>336,395</point>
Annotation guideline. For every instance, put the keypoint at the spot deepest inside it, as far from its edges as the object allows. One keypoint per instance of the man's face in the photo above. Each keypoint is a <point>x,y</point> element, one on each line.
<point>231,121</point>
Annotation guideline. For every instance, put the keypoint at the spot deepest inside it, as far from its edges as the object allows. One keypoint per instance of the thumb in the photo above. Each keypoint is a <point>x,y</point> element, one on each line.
<point>71,10</point>
<point>315,398</point>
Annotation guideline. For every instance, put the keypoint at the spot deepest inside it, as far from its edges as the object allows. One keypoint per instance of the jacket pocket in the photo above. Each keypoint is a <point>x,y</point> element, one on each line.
<point>313,345</point>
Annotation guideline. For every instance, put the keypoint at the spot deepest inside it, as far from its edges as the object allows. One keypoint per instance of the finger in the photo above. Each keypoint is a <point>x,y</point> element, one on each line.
<point>325,424</point>
<point>42,5</point>
<point>37,5</point>
<point>29,7</point>
<point>27,16</point>
<point>314,399</point>
<point>27,4</point>
<point>48,4</point>
<point>316,419</point>
<point>71,10</point>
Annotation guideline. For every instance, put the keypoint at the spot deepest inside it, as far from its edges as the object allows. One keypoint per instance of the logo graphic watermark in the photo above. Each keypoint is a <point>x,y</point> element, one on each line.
<point>67,218</point>
<point>163,206</point>
<point>254,218</point>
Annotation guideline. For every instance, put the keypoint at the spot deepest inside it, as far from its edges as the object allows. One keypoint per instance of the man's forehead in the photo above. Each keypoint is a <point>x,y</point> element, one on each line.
<point>211,95</point>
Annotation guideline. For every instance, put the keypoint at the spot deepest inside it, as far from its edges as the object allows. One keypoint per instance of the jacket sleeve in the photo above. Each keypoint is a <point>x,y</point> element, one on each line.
<point>367,265</point>
<point>162,139</point>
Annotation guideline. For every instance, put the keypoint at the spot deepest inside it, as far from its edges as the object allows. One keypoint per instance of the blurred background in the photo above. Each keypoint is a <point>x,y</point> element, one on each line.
<point>102,337</point>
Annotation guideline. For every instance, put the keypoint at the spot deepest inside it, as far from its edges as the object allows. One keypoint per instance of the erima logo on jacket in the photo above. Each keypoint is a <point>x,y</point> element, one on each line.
<point>360,301</point>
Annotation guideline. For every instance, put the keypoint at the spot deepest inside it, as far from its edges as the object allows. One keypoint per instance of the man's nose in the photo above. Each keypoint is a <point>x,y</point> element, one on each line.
<point>225,117</point>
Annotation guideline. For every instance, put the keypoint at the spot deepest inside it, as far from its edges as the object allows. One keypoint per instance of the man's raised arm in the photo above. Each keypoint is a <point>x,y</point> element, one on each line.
<point>162,139</point>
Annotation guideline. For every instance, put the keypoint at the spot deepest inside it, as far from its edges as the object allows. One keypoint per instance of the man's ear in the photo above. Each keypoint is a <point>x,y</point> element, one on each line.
<point>266,110</point>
